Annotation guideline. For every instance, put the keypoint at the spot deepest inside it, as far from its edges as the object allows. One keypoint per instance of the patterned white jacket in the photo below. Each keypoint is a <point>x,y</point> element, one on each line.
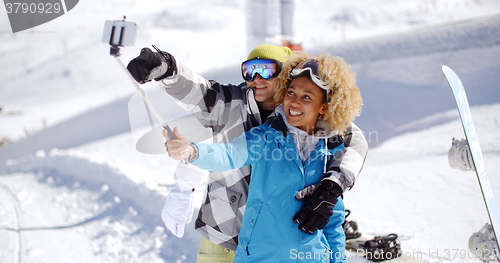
<point>229,111</point>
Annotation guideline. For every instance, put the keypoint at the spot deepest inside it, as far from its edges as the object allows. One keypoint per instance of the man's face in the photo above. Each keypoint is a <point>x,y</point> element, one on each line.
<point>263,90</point>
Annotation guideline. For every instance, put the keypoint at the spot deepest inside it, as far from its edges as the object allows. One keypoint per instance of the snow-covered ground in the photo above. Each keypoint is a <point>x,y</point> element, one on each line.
<point>97,199</point>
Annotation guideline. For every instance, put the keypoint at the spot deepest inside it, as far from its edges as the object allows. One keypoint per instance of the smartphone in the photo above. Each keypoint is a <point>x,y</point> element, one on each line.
<point>119,33</point>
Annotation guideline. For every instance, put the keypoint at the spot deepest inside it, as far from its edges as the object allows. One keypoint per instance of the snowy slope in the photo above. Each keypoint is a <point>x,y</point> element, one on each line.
<point>97,199</point>
<point>94,203</point>
<point>400,75</point>
<point>408,188</point>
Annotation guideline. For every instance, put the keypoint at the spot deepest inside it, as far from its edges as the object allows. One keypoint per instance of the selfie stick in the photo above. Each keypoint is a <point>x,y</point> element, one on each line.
<point>115,52</point>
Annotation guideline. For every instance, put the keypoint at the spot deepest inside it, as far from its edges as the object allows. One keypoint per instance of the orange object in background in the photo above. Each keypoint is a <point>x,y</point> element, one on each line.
<point>293,47</point>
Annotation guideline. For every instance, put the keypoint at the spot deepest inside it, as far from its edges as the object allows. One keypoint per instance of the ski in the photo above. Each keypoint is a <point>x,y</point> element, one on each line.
<point>475,150</point>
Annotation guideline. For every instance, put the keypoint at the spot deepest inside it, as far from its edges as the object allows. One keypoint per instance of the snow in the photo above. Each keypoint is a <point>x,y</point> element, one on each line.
<point>433,207</point>
<point>73,187</point>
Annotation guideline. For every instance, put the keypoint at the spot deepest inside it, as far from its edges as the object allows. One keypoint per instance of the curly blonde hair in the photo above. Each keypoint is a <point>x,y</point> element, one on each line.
<point>344,98</point>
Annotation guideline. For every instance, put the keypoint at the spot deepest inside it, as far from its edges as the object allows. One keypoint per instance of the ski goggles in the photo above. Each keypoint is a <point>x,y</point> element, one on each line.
<point>309,67</point>
<point>266,68</point>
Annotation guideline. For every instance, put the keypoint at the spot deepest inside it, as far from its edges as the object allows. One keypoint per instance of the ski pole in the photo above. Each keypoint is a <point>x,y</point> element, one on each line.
<point>148,102</point>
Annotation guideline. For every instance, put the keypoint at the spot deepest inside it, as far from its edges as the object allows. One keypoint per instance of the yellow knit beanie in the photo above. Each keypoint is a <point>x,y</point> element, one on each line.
<point>279,53</point>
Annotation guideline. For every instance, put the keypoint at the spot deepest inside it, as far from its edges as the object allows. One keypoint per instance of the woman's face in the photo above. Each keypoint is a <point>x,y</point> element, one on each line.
<point>303,103</point>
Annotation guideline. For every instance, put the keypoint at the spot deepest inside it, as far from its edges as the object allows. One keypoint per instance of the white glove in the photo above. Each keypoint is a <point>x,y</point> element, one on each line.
<point>178,209</point>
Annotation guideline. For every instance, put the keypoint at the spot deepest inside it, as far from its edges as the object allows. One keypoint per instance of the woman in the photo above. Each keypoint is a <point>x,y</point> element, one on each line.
<point>318,99</point>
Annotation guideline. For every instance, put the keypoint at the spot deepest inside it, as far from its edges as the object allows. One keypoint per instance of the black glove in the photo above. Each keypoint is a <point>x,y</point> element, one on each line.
<point>319,200</point>
<point>151,65</point>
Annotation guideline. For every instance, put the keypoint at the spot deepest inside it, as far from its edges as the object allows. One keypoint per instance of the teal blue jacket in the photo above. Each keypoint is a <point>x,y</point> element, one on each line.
<point>268,233</point>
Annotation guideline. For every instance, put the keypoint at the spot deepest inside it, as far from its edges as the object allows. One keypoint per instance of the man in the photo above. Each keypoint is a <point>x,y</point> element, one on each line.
<point>230,110</point>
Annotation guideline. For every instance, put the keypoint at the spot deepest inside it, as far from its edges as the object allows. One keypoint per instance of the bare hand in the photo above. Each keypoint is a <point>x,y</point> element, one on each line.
<point>180,148</point>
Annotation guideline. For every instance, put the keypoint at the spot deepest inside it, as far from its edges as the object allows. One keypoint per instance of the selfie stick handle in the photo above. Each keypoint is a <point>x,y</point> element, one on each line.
<point>148,102</point>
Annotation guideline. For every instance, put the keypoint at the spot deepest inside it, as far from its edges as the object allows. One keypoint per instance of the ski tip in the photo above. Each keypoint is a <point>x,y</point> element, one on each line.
<point>447,69</point>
